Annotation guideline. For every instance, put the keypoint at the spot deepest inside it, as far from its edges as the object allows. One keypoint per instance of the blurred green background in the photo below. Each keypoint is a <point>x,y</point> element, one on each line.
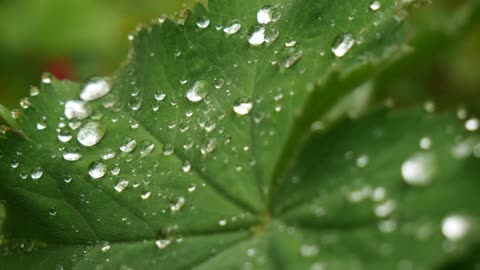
<point>77,39</point>
<point>73,39</point>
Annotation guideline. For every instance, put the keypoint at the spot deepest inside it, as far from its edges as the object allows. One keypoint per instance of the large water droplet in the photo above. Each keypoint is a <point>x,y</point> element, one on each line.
<point>95,89</point>
<point>243,106</point>
<point>472,124</point>
<point>455,227</point>
<point>419,169</point>
<point>135,102</point>
<point>267,14</point>
<point>91,133</point>
<point>77,109</point>
<point>343,44</point>
<point>198,91</point>
<point>97,169</point>
<point>256,36</point>
<point>128,145</point>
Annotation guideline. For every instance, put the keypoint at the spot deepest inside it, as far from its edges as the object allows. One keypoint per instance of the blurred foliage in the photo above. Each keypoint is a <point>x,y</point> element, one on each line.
<point>72,39</point>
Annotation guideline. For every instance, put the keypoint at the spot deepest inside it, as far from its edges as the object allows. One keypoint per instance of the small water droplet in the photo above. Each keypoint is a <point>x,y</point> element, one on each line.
<point>419,169</point>
<point>243,106</point>
<point>308,250</point>
<point>121,185</point>
<point>268,14</point>
<point>192,188</point>
<point>95,89</point>
<point>455,227</point>
<point>64,136</point>
<point>291,56</point>
<point>128,145</point>
<point>90,134</point>
<point>36,173</point>
<point>160,96</point>
<point>145,194</point>
<point>375,5</point>
<point>135,102</point>
<point>271,34</point>
<point>72,154</point>
<point>222,222</point>
<point>198,91</point>
<point>168,149</point>
<point>425,143</point>
<point>106,247</point>
<point>146,148</point>
<point>187,166</point>
<point>343,44</point>
<point>52,211</point>
<point>97,169</point>
<point>77,109</point>
<point>362,161</point>
<point>178,205</point>
<point>46,78</point>
<point>209,146</point>
<point>108,154</point>
<point>25,103</point>
<point>232,28</point>
<point>163,243</point>
<point>472,124</point>
<point>291,43</point>
<point>203,22</point>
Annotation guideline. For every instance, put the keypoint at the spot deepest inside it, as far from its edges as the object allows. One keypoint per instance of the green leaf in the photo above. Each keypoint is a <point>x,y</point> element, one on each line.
<point>199,152</point>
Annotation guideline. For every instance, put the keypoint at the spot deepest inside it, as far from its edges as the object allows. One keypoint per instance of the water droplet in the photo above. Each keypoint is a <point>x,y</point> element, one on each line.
<point>106,247</point>
<point>68,179</point>
<point>145,194</point>
<point>455,227</point>
<point>232,28</point>
<point>72,154</point>
<point>192,188</point>
<point>256,36</point>
<point>91,133</point>
<point>97,169</point>
<point>362,161</point>
<point>198,91</point>
<point>121,185</point>
<point>36,173</point>
<point>109,154</point>
<point>77,109</point>
<point>64,136</point>
<point>385,209</point>
<point>243,106</point>
<point>343,44</point>
<point>146,149</point>
<point>178,205</point>
<point>209,146</point>
<point>52,211</point>
<point>168,149</point>
<point>14,164</point>
<point>222,222</point>
<point>163,243</point>
<point>128,145</point>
<point>472,124</point>
<point>25,103</point>
<point>95,89</point>
<point>271,34</point>
<point>419,169</point>
<point>291,57</point>
<point>160,96</point>
<point>268,14</point>
<point>34,91</point>
<point>187,166</point>
<point>375,5</point>
<point>135,102</point>
<point>425,143</point>
<point>203,22</point>
<point>41,125</point>
<point>46,79</point>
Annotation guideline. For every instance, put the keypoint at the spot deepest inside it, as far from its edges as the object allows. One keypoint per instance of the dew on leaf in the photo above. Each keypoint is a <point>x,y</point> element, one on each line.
<point>177,205</point>
<point>36,173</point>
<point>268,14</point>
<point>25,103</point>
<point>128,145</point>
<point>243,106</point>
<point>455,227</point>
<point>106,247</point>
<point>192,188</point>
<point>91,133</point>
<point>308,250</point>
<point>222,222</point>
<point>160,96</point>
<point>256,36</point>
<point>198,91</point>
<point>163,243</point>
<point>385,209</point>
<point>291,57</point>
<point>290,44</point>
<point>64,136</point>
<point>168,149</point>
<point>121,185</point>
<point>209,146</point>
<point>187,166</point>
<point>52,211</point>
<point>135,102</point>
<point>343,44</point>
<point>77,109</point>
<point>97,169</point>
<point>232,27</point>
<point>95,89</point>
<point>271,34</point>
<point>108,154</point>
<point>72,153</point>
<point>425,143</point>
<point>419,169</point>
<point>146,148</point>
<point>46,79</point>
<point>203,22</point>
<point>145,194</point>
<point>375,5</point>
<point>362,161</point>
